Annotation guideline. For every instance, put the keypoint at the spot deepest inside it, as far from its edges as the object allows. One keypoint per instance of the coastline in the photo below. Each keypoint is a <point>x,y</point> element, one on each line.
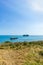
<point>20,38</point>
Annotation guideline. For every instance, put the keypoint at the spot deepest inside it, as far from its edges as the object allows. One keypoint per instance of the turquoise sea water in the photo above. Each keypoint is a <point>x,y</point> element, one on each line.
<point>4,38</point>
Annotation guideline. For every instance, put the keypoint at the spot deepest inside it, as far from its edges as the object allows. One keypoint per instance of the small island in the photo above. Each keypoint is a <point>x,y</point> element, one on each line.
<point>25,35</point>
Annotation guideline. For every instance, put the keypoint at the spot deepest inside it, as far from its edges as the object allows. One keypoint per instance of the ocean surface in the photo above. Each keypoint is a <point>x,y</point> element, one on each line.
<point>21,38</point>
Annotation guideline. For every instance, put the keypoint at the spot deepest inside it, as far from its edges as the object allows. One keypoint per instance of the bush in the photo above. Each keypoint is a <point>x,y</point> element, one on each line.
<point>7,42</point>
<point>24,43</point>
<point>16,44</point>
<point>41,53</point>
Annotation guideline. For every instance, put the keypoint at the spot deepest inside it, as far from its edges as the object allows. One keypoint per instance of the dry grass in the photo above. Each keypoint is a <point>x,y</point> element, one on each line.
<point>21,53</point>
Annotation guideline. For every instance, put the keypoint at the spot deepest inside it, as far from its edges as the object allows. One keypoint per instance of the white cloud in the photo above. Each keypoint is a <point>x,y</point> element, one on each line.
<point>36,5</point>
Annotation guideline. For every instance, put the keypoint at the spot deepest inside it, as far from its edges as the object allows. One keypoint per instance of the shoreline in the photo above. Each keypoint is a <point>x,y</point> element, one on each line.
<point>14,44</point>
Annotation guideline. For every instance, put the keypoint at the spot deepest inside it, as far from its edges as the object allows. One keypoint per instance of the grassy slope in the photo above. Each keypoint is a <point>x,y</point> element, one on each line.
<point>26,53</point>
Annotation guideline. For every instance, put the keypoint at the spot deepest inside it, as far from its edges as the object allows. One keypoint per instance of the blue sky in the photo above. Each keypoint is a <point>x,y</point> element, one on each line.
<point>21,17</point>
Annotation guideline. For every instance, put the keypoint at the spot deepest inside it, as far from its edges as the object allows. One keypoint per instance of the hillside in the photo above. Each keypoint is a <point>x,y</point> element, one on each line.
<point>21,53</point>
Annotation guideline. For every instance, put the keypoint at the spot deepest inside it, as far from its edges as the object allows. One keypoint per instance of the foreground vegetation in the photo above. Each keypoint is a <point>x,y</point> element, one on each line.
<point>21,53</point>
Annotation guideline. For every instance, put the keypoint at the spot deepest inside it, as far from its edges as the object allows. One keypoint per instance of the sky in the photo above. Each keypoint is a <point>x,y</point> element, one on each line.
<point>21,17</point>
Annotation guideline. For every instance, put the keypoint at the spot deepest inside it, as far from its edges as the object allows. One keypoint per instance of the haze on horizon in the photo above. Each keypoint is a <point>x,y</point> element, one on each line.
<point>21,17</point>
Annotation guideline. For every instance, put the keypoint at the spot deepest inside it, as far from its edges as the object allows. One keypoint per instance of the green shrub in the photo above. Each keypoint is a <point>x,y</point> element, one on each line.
<point>41,53</point>
<point>16,44</point>
<point>24,43</point>
<point>7,42</point>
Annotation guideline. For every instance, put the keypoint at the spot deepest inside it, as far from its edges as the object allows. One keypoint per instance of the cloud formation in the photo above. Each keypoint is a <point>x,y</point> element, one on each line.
<point>37,5</point>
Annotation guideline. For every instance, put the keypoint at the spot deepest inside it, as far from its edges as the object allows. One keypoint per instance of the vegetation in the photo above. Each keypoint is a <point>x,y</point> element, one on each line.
<point>21,53</point>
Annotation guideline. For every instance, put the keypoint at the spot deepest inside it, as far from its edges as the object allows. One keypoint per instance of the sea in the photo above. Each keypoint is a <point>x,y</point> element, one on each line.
<point>20,38</point>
